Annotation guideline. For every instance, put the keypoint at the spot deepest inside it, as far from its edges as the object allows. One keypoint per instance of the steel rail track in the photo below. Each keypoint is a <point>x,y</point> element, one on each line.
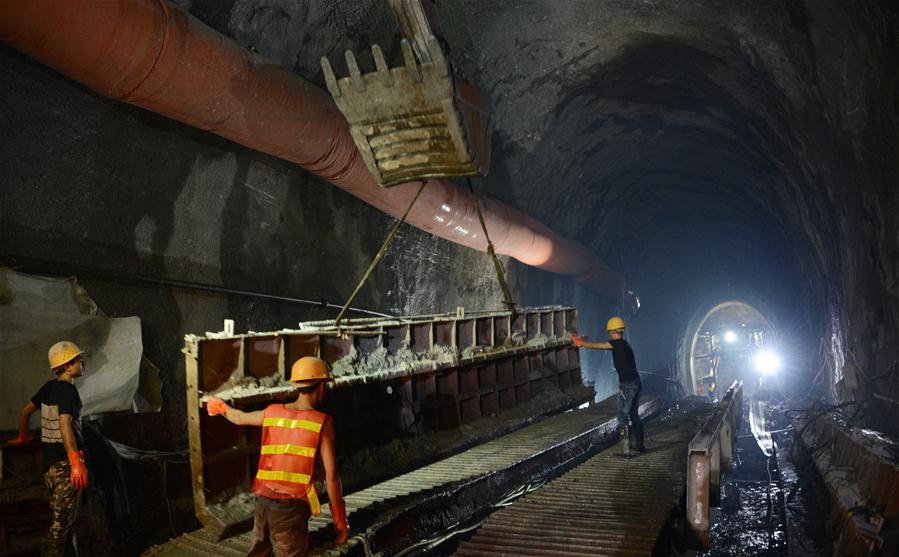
<point>609,505</point>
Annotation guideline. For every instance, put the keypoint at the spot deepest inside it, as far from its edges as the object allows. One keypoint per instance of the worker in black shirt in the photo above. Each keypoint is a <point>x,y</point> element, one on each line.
<point>64,472</point>
<point>629,385</point>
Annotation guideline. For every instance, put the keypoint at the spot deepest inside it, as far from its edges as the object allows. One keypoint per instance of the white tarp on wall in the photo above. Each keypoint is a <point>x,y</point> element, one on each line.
<point>36,312</point>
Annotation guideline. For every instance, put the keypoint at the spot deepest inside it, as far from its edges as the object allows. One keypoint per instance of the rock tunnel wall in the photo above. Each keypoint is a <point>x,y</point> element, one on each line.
<point>712,152</point>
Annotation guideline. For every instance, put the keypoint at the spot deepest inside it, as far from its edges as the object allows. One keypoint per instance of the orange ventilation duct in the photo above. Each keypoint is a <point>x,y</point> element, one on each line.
<point>151,54</point>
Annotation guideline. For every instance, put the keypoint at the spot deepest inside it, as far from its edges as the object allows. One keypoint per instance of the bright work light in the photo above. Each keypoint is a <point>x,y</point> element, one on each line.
<point>766,361</point>
<point>730,336</point>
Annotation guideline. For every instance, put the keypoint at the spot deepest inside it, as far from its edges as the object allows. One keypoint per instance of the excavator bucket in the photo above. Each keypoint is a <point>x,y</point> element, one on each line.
<point>416,121</point>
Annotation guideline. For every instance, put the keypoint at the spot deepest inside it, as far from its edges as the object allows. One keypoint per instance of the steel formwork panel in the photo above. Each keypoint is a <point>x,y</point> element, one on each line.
<point>445,369</point>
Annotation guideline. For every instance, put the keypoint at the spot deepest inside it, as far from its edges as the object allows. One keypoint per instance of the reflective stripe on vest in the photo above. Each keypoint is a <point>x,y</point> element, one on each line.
<point>289,449</point>
<point>292,477</point>
<point>290,441</point>
<point>291,424</point>
<point>312,499</point>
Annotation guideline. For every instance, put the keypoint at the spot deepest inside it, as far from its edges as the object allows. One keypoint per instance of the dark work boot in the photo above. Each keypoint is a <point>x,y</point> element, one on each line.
<point>625,441</point>
<point>636,432</point>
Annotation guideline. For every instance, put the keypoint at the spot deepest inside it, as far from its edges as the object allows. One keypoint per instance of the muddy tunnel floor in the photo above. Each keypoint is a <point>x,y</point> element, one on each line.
<point>768,503</point>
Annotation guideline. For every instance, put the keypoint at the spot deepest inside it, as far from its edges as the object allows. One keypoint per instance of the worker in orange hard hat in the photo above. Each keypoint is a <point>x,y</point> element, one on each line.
<point>64,472</point>
<point>295,438</point>
<point>629,384</point>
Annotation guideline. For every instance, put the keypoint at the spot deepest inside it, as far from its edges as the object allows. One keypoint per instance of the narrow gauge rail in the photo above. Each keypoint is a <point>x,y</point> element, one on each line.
<point>609,505</point>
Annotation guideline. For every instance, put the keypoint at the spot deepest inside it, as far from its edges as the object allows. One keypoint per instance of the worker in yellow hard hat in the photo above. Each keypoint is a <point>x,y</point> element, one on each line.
<point>64,472</point>
<point>629,384</point>
<point>295,438</point>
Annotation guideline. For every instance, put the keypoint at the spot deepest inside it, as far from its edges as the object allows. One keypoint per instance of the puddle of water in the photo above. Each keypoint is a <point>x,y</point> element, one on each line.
<point>751,519</point>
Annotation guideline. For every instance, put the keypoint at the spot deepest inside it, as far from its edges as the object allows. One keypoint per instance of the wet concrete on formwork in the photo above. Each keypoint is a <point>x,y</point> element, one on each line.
<point>766,508</point>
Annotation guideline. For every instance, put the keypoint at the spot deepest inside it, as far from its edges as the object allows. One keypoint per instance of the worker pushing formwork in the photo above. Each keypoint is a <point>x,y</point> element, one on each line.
<point>297,442</point>
<point>630,427</point>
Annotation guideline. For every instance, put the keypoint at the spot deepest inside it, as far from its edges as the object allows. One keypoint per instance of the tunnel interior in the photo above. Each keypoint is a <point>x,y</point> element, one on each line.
<point>733,342</point>
<point>735,165</point>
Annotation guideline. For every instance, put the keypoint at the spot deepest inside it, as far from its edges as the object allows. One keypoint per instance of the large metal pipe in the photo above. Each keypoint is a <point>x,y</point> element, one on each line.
<point>151,54</point>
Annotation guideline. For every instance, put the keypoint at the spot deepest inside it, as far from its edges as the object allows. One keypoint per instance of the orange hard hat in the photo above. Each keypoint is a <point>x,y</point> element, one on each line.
<point>308,371</point>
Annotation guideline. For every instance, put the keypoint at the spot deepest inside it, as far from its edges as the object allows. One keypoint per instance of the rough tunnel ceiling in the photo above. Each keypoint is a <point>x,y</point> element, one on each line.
<point>649,111</point>
<point>698,148</point>
<point>661,138</point>
<point>684,144</point>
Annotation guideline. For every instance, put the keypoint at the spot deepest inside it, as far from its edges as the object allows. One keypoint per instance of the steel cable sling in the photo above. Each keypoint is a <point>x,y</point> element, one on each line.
<point>500,274</point>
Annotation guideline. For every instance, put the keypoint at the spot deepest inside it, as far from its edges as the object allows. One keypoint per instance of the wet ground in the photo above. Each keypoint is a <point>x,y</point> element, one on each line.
<point>765,508</point>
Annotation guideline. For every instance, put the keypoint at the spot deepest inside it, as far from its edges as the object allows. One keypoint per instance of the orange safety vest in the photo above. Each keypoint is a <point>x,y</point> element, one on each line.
<point>287,459</point>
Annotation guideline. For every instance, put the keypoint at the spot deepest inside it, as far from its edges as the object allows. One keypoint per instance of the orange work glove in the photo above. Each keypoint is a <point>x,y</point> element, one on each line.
<point>338,515</point>
<point>79,472</point>
<point>22,439</point>
<point>216,406</point>
<point>578,341</point>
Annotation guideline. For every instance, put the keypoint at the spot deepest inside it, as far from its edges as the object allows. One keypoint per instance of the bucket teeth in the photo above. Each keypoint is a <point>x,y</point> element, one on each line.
<point>355,74</point>
<point>437,57</point>
<point>418,120</point>
<point>409,58</point>
<point>330,78</point>
<point>381,65</point>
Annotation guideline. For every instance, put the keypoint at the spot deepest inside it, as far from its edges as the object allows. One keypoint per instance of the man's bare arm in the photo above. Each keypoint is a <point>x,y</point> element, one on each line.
<point>78,474</point>
<point>218,407</point>
<point>67,432</point>
<point>597,345</point>
<point>332,479</point>
<point>24,415</point>
<point>580,342</point>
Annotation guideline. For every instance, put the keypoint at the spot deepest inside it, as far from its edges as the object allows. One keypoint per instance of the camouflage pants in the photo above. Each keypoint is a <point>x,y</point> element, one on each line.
<point>63,505</point>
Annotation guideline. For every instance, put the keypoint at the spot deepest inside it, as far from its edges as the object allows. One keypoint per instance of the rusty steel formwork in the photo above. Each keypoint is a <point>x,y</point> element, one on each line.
<point>711,451</point>
<point>394,376</point>
<point>860,469</point>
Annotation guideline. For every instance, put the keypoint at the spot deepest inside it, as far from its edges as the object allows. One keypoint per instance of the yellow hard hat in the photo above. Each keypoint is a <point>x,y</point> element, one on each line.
<point>62,353</point>
<point>308,371</point>
<point>615,324</point>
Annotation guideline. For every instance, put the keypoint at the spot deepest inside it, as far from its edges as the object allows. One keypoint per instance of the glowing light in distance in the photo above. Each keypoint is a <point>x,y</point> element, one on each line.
<point>766,362</point>
<point>730,336</point>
